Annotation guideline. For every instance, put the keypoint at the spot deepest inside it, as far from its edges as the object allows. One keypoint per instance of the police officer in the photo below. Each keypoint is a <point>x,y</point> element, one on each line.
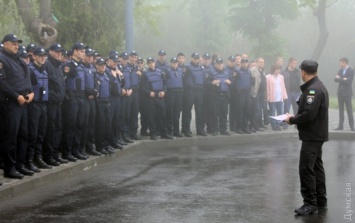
<point>116,94</point>
<point>312,124</point>
<point>232,71</point>
<point>193,96</point>
<point>153,85</point>
<point>207,112</point>
<point>56,94</point>
<point>161,63</point>
<point>173,98</point>
<point>219,96</point>
<point>73,105</point>
<point>37,112</point>
<point>135,76</point>
<point>88,133</point>
<point>242,83</point>
<point>15,85</point>
<point>103,117</point>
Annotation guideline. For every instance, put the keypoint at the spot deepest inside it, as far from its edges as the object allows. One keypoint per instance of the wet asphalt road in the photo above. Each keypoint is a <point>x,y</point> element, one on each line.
<point>243,183</point>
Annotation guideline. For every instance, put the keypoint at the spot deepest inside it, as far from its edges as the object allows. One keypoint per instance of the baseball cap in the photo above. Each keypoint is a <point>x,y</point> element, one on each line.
<point>100,61</point>
<point>30,47</point>
<point>114,58</point>
<point>219,61</point>
<point>150,59</point>
<point>161,53</point>
<point>11,38</point>
<point>173,60</point>
<point>195,55</point>
<point>56,47</point>
<point>39,51</point>
<point>78,46</point>
<point>206,56</point>
<point>89,52</point>
<point>124,55</point>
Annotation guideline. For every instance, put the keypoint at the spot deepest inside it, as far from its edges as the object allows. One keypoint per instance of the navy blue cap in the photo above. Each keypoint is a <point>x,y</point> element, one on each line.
<point>78,46</point>
<point>114,57</point>
<point>206,56</point>
<point>24,54</point>
<point>150,59</point>
<point>161,53</point>
<point>56,47</point>
<point>180,54</point>
<point>96,54</point>
<point>21,48</point>
<point>100,61</point>
<point>124,55</point>
<point>114,52</point>
<point>11,38</point>
<point>1,46</point>
<point>140,59</point>
<point>231,58</point>
<point>219,61</point>
<point>309,66</point>
<point>133,53</point>
<point>173,60</point>
<point>195,55</point>
<point>39,51</point>
<point>30,47</point>
<point>89,52</point>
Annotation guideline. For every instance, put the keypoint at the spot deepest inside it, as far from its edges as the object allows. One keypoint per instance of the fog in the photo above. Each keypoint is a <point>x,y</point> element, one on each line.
<point>180,29</point>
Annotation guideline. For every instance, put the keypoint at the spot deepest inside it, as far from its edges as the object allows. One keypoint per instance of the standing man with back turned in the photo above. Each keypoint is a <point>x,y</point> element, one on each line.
<point>345,78</point>
<point>312,124</point>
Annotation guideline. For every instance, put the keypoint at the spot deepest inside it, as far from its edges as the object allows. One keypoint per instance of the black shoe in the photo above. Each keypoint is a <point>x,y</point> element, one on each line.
<point>79,156</point>
<point>120,141</point>
<point>166,136</point>
<point>252,129</point>
<point>29,165</point>
<point>13,174</point>
<point>116,145</point>
<point>52,162</point>
<point>178,134</point>
<point>102,151</point>
<point>93,152</point>
<point>246,131</point>
<point>153,137</point>
<point>127,139</point>
<point>135,137</point>
<point>339,128</point>
<point>60,160</point>
<point>306,209</point>
<point>70,158</point>
<point>109,149</point>
<point>23,170</point>
<point>187,134</point>
<point>225,133</point>
<point>38,161</point>
<point>0,183</point>
<point>202,133</point>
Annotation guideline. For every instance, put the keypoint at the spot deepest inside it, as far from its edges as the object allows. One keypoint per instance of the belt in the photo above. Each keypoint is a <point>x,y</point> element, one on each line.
<point>103,100</point>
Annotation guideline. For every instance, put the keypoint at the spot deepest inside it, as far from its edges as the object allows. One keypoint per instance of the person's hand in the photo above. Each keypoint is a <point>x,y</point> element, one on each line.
<point>216,82</point>
<point>91,97</point>
<point>129,92</point>
<point>345,78</point>
<point>124,92</point>
<point>139,73</point>
<point>287,120</point>
<point>21,100</point>
<point>227,81</point>
<point>161,94</point>
<point>152,94</point>
<point>337,76</point>
<point>30,97</point>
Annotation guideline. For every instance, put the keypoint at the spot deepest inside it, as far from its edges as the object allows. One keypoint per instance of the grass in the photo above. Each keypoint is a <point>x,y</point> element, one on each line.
<point>333,103</point>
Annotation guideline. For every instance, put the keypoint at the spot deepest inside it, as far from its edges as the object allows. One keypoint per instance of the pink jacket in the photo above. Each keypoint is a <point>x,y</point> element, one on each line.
<point>270,85</point>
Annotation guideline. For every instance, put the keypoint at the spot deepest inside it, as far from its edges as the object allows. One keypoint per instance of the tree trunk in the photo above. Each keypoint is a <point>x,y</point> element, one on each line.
<point>40,29</point>
<point>323,33</point>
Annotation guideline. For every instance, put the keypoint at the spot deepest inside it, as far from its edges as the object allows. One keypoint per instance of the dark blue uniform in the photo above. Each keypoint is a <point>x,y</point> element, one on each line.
<point>37,112</point>
<point>126,102</point>
<point>134,104</point>
<point>14,81</point>
<point>173,99</point>
<point>73,107</point>
<point>232,72</point>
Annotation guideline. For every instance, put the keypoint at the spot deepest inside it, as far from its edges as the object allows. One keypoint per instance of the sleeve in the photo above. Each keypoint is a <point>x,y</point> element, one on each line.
<point>311,104</point>
<point>4,85</point>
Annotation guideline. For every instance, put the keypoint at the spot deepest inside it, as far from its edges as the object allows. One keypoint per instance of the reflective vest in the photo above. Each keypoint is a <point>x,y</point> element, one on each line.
<point>174,78</point>
<point>103,82</point>
<point>76,83</point>
<point>40,90</point>
<point>155,80</point>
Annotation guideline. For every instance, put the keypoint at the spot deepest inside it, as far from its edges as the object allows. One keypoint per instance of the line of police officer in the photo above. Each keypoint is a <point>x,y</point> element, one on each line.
<point>89,106</point>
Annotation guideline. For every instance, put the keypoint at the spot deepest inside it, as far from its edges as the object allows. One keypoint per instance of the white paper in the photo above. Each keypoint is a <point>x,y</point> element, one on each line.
<point>279,118</point>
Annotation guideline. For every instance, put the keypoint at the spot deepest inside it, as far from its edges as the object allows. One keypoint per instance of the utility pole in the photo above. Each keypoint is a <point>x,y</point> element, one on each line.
<point>129,20</point>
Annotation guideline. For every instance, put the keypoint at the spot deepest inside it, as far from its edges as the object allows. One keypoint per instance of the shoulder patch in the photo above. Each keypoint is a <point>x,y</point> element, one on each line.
<point>310,99</point>
<point>66,69</point>
<point>312,91</point>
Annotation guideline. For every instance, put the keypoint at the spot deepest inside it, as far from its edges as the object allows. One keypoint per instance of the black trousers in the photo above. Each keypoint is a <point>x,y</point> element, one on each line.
<point>125,101</point>
<point>2,131</point>
<point>37,127</point>
<point>143,109</point>
<point>133,119</point>
<point>345,100</point>
<point>15,134</point>
<point>312,176</point>
<point>232,111</point>
<point>103,124</point>
<point>219,108</point>
<point>157,112</point>
<point>54,130</point>
<point>116,121</point>
<point>243,99</point>
<point>173,100</point>
<point>192,97</point>
<point>88,132</point>
<point>73,124</point>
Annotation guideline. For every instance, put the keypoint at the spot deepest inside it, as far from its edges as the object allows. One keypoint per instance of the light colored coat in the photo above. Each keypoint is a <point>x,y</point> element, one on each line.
<point>270,85</point>
<point>255,74</point>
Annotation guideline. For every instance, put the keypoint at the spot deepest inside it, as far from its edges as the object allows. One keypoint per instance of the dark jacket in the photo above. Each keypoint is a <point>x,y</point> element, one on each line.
<point>345,86</point>
<point>15,77</point>
<point>312,116</point>
<point>56,84</point>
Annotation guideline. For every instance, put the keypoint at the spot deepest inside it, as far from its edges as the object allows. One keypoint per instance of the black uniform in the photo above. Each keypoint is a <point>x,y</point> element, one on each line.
<point>14,81</point>
<point>312,124</point>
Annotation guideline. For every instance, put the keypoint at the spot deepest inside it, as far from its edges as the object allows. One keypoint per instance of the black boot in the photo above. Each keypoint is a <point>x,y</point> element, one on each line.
<point>38,161</point>
<point>126,138</point>
<point>90,149</point>
<point>23,170</point>
<point>29,165</point>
